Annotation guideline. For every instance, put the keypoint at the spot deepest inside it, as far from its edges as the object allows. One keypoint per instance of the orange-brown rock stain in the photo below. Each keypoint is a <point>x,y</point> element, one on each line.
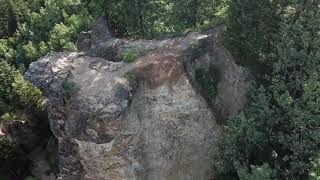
<point>159,67</point>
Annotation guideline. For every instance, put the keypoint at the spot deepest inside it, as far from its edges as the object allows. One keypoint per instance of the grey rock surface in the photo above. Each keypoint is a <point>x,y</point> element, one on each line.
<point>234,82</point>
<point>101,30</point>
<point>145,120</point>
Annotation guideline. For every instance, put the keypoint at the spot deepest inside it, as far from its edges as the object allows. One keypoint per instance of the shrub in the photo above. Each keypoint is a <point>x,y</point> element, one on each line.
<point>7,149</point>
<point>195,51</point>
<point>208,78</point>
<point>4,106</point>
<point>14,162</point>
<point>129,56</point>
<point>315,173</point>
<point>69,88</point>
<point>280,126</point>
<point>29,95</point>
<point>17,91</point>
<point>8,117</point>
<point>249,28</point>
<point>120,88</point>
<point>263,172</point>
<point>132,77</point>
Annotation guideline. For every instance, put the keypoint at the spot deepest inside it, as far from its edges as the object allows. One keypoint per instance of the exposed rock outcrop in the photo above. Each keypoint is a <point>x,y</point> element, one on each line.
<point>143,120</point>
<point>100,32</point>
<point>234,81</point>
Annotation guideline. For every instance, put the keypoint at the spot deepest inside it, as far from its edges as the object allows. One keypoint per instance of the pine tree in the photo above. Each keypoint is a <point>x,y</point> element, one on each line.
<point>249,28</point>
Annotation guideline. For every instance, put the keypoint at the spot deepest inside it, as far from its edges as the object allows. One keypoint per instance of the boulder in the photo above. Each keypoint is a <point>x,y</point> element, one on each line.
<point>101,30</point>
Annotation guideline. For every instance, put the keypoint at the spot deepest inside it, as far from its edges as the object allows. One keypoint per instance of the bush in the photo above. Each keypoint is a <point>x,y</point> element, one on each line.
<point>315,172</point>
<point>13,161</point>
<point>249,28</point>
<point>280,126</point>
<point>69,88</point>
<point>17,91</point>
<point>263,172</point>
<point>208,78</point>
<point>29,95</point>
<point>196,51</point>
<point>132,77</point>
<point>7,149</point>
<point>8,117</point>
<point>269,131</point>
<point>129,56</point>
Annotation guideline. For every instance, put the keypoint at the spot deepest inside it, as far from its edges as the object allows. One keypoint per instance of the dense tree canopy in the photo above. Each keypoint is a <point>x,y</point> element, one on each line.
<point>281,125</point>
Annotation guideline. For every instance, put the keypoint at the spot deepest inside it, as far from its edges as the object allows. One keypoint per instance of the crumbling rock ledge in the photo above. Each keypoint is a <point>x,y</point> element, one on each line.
<point>145,120</point>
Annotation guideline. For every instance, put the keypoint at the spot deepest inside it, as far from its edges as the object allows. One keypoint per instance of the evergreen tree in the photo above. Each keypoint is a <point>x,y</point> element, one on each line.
<point>281,125</point>
<point>249,28</point>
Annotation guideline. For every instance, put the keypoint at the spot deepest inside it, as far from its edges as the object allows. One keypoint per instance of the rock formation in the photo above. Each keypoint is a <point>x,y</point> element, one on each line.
<point>144,120</point>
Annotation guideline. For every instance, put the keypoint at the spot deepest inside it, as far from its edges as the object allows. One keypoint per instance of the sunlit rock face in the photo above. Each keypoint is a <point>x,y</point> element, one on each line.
<point>144,120</point>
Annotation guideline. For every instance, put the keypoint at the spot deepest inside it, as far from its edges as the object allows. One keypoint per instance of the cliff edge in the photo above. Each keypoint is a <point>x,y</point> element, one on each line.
<point>146,119</point>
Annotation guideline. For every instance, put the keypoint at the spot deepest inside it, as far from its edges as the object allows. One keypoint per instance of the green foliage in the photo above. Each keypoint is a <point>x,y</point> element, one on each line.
<point>196,51</point>
<point>6,53</point>
<point>249,28</point>
<point>132,77</point>
<point>4,106</point>
<point>315,172</point>
<point>11,12</point>
<point>157,17</point>
<point>8,117</point>
<point>69,88</point>
<point>17,91</point>
<point>30,29</point>
<point>208,78</point>
<point>119,88</point>
<point>17,95</point>
<point>30,52</point>
<point>41,26</point>
<point>132,80</point>
<point>29,96</point>
<point>257,172</point>
<point>12,161</point>
<point>7,74</point>
<point>280,126</point>
<point>7,149</point>
<point>129,56</point>
<point>277,134</point>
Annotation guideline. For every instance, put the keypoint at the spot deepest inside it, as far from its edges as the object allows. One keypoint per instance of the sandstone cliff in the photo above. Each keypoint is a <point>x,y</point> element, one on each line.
<point>142,120</point>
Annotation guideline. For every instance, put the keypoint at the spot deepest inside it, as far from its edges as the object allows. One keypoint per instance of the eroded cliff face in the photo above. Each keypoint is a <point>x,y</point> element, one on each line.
<point>142,120</point>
